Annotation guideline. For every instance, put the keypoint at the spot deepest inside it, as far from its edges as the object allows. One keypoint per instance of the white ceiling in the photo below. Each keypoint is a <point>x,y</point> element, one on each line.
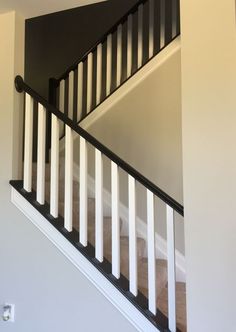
<point>32,8</point>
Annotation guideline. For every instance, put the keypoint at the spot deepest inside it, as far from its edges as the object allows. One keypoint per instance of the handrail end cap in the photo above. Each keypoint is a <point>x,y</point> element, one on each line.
<point>19,83</point>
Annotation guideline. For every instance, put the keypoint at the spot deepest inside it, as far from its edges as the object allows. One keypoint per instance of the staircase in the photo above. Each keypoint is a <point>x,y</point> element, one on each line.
<point>127,261</point>
<point>161,264</point>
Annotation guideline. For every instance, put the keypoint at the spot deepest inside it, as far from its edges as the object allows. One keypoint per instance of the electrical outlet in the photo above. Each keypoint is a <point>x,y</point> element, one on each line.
<point>8,313</point>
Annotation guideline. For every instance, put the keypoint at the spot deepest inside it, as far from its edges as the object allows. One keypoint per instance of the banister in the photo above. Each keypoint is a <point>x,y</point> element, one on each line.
<point>22,86</point>
<point>101,39</point>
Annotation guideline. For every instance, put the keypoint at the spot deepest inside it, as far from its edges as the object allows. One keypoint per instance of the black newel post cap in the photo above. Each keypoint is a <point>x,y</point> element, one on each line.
<point>19,83</point>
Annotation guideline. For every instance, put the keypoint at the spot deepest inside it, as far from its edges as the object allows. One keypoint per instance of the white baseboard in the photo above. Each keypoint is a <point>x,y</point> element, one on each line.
<point>127,309</point>
<point>161,244</point>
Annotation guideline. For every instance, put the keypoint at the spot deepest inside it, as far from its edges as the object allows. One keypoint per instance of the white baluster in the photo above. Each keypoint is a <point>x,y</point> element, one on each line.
<point>83,193</point>
<point>99,74</point>
<point>28,150</point>
<point>151,28</point>
<point>129,45</point>
<point>62,103</point>
<point>133,268</point>
<point>41,154</point>
<point>151,253</point>
<point>71,95</point>
<point>68,212</point>
<point>80,91</point>
<point>140,36</point>
<point>99,205</point>
<point>89,82</point>
<point>119,56</point>
<point>109,64</point>
<point>54,167</point>
<point>115,220</point>
<point>174,17</point>
<point>171,268</point>
<point>162,25</point>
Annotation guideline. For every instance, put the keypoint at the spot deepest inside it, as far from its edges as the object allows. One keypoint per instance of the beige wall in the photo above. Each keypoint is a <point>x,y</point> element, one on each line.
<point>28,9</point>
<point>50,294</point>
<point>209,162</point>
<point>144,129</point>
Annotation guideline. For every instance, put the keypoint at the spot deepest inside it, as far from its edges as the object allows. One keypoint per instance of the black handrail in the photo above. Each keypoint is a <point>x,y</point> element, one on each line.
<point>100,40</point>
<point>22,86</point>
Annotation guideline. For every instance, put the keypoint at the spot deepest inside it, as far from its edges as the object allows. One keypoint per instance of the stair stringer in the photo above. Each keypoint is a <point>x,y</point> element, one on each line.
<point>126,308</point>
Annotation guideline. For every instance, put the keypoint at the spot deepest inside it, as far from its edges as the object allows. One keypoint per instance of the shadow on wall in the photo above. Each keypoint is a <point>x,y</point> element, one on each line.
<point>54,42</point>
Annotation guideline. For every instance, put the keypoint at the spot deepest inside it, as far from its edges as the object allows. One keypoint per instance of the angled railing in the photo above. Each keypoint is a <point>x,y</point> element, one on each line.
<point>147,28</point>
<point>130,290</point>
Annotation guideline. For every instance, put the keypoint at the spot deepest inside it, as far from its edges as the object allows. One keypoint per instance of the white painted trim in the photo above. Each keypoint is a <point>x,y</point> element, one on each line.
<point>98,206</point>
<point>89,81</point>
<point>140,35</point>
<point>115,221</point>
<point>62,143</point>
<point>151,29</point>
<point>54,175</point>
<point>151,253</point>
<point>83,193</point>
<point>171,268</point>
<point>133,81</point>
<point>161,244</point>
<point>126,308</point>
<point>133,257</point>
<point>28,143</point>
<point>68,189</point>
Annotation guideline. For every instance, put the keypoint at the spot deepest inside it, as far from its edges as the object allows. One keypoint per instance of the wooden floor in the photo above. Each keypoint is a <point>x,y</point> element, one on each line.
<point>161,265</point>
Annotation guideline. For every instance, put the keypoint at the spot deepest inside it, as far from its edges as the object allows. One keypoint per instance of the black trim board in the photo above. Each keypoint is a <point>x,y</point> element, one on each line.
<point>160,321</point>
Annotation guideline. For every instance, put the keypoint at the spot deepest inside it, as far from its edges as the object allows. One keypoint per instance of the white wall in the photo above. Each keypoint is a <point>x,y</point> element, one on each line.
<point>209,162</point>
<point>49,293</point>
<point>144,129</point>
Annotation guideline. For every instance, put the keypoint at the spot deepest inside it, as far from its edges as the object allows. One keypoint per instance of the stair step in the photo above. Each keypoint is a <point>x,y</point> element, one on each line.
<point>107,229</point>
<point>161,265</point>
<point>47,172</point>
<point>124,252</point>
<point>61,190</point>
<point>161,276</point>
<point>124,247</point>
<point>91,212</point>
<point>162,304</point>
